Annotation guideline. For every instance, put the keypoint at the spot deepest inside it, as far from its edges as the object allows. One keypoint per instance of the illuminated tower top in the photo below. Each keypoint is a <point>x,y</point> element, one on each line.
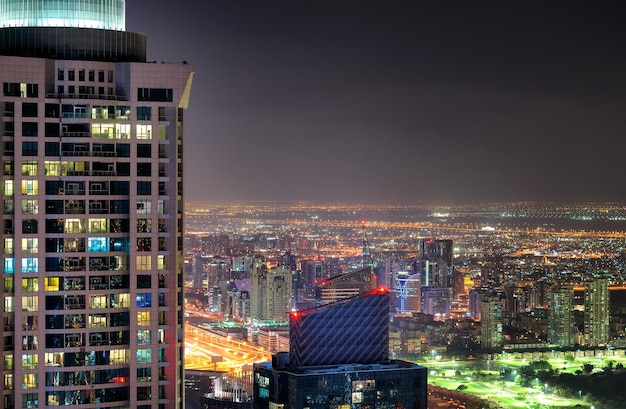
<point>103,14</point>
<point>90,30</point>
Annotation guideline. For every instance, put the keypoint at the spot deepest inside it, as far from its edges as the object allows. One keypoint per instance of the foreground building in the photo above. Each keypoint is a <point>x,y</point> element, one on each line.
<point>339,357</point>
<point>92,148</point>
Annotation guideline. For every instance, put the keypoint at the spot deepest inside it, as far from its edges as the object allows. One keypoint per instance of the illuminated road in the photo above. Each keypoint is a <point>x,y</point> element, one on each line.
<point>205,350</point>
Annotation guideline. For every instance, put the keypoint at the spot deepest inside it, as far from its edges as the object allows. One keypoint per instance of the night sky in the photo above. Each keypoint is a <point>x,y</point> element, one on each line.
<point>398,101</point>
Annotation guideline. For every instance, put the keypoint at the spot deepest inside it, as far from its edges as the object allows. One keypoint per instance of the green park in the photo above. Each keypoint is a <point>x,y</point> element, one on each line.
<point>545,380</point>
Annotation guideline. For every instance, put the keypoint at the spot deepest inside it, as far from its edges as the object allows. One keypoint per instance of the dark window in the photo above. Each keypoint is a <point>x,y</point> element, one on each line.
<point>100,76</point>
<point>155,94</point>
<point>29,109</point>
<point>144,113</point>
<point>71,89</point>
<point>92,75</point>
<point>61,74</point>
<point>9,128</point>
<point>32,90</point>
<point>100,90</point>
<point>29,129</point>
<point>54,225</point>
<point>52,110</point>
<point>29,226</point>
<point>70,75</point>
<point>54,187</point>
<point>110,76</point>
<point>122,168</point>
<point>119,207</point>
<point>60,89</point>
<point>54,206</point>
<point>29,148</point>
<point>81,75</point>
<point>52,129</point>
<point>144,169</point>
<point>144,188</point>
<point>122,150</point>
<point>52,149</point>
<point>144,150</point>
<point>11,89</point>
<point>120,187</point>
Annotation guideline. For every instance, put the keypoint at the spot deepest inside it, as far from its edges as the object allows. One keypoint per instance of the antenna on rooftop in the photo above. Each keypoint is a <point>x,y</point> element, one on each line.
<point>366,252</point>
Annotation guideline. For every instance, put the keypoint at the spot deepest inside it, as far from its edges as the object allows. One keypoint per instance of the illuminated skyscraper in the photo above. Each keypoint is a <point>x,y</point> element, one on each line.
<point>271,295</point>
<point>491,308</point>
<point>596,330</point>
<point>561,316</point>
<point>436,263</point>
<point>92,149</point>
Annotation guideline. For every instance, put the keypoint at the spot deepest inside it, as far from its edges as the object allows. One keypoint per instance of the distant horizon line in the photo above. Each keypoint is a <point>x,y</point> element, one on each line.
<point>403,204</point>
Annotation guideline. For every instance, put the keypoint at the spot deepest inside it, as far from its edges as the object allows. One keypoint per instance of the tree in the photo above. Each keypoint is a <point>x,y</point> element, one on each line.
<point>588,368</point>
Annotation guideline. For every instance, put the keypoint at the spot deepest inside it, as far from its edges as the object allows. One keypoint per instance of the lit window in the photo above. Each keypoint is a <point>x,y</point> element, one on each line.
<point>8,246</point>
<point>51,283</point>
<point>144,206</point>
<point>97,244</point>
<point>161,262</point>
<point>30,265</point>
<point>52,168</point>
<point>144,263</point>
<point>30,206</point>
<point>144,131</point>
<point>9,304</point>
<point>144,356</point>
<point>74,226</point>
<point>98,226</point>
<point>9,265</point>
<point>143,319</point>
<point>30,285</point>
<point>30,245</point>
<point>30,187</point>
<point>8,188</point>
<point>30,303</point>
<point>29,168</point>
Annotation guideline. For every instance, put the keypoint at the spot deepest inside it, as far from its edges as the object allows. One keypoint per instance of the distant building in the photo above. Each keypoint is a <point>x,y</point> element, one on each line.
<point>491,316</point>
<point>561,316</point>
<point>270,293</point>
<point>339,357</point>
<point>436,300</point>
<point>596,324</point>
<point>348,285</point>
<point>436,263</point>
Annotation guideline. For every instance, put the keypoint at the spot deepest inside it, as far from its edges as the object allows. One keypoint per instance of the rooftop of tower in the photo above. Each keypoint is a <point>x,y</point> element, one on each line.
<point>91,30</point>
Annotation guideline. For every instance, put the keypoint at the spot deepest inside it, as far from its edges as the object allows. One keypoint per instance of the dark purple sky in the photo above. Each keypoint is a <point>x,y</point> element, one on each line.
<point>401,101</point>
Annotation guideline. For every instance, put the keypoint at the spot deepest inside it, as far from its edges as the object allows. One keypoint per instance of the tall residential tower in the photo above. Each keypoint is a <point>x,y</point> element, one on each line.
<point>92,149</point>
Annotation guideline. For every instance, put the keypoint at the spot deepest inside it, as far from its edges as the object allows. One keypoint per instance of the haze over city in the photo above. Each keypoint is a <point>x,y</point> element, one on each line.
<point>396,101</point>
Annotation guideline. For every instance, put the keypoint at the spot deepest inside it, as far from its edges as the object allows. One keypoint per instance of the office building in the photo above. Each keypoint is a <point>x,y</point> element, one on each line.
<point>596,323</point>
<point>436,263</point>
<point>339,357</point>
<point>561,316</point>
<point>92,149</point>
<point>491,316</point>
<point>436,301</point>
<point>348,285</point>
<point>270,293</point>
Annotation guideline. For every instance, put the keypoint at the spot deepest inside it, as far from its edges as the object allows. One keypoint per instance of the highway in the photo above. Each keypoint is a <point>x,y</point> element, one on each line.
<point>208,351</point>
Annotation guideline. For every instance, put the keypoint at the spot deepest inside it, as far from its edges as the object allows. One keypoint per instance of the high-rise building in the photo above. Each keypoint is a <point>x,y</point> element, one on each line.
<point>561,316</point>
<point>270,293</point>
<point>596,323</point>
<point>491,316</point>
<point>92,149</point>
<point>339,357</point>
<point>348,285</point>
<point>436,263</point>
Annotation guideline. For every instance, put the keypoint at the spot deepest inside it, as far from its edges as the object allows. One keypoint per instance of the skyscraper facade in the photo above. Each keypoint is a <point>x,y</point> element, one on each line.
<point>270,293</point>
<point>92,149</point>
<point>491,315</point>
<point>436,263</point>
<point>596,323</point>
<point>561,316</point>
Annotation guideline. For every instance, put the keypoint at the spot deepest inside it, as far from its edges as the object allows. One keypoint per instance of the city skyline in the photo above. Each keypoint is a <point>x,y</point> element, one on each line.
<point>402,102</point>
